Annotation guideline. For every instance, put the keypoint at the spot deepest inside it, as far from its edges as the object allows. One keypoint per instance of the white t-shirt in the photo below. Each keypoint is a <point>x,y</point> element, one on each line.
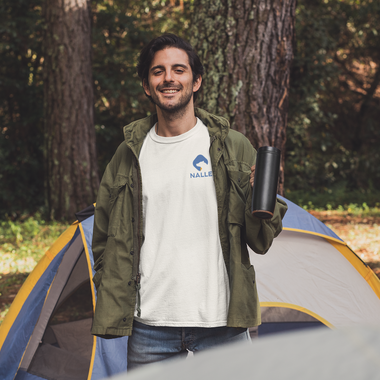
<point>184,280</point>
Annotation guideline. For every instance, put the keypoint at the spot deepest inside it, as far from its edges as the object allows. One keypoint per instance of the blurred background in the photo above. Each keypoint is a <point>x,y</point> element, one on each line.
<point>332,130</point>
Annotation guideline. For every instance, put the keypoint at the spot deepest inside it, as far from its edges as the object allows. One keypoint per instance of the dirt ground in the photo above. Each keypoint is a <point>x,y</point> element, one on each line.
<point>362,234</point>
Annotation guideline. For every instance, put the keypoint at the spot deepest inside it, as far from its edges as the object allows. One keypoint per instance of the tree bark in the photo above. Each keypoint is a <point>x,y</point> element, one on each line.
<point>246,47</point>
<point>72,176</point>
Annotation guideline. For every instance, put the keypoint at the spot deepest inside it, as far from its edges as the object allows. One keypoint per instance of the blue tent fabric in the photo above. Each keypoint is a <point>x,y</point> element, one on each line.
<point>110,357</point>
<point>87,226</point>
<point>22,328</point>
<point>299,219</point>
<point>111,354</point>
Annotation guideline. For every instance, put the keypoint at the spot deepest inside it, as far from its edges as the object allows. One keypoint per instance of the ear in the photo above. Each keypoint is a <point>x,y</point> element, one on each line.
<point>146,87</point>
<point>197,84</point>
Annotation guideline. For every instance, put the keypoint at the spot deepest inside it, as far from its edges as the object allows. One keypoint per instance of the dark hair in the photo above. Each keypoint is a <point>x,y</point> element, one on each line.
<point>161,43</point>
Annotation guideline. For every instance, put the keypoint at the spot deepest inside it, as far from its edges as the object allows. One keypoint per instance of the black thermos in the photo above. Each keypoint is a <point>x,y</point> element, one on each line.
<point>264,190</point>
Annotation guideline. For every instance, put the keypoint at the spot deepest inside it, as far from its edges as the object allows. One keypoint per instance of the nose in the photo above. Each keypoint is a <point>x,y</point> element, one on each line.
<point>168,76</point>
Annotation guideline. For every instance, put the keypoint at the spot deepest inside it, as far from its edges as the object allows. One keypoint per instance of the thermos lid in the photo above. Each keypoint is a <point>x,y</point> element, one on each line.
<point>269,149</point>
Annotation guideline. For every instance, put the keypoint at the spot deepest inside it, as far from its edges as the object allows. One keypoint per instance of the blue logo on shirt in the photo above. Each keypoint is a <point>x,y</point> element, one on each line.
<point>200,163</point>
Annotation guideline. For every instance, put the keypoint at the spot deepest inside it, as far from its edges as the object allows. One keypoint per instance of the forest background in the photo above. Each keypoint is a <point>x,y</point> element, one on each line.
<point>332,137</point>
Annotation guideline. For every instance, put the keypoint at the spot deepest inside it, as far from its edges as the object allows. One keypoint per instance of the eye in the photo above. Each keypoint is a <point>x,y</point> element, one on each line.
<point>158,72</point>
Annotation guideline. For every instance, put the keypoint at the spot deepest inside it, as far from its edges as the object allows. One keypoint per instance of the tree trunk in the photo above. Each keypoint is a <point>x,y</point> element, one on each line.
<point>246,48</point>
<point>71,168</point>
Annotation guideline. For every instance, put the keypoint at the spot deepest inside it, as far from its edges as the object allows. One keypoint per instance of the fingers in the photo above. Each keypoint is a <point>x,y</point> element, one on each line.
<point>252,175</point>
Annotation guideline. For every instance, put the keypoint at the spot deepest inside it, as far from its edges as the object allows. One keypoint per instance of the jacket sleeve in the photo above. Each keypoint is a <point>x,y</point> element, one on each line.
<point>261,232</point>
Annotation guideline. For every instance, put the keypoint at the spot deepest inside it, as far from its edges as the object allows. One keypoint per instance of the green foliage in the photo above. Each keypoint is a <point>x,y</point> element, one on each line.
<point>337,198</point>
<point>21,141</point>
<point>120,31</point>
<point>333,132</point>
<point>23,243</point>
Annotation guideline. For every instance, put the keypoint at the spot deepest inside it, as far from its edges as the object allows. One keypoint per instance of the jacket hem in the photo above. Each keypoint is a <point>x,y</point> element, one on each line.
<point>244,323</point>
<point>110,333</point>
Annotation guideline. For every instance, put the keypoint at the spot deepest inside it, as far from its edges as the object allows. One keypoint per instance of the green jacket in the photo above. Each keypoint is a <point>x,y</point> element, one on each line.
<point>118,226</point>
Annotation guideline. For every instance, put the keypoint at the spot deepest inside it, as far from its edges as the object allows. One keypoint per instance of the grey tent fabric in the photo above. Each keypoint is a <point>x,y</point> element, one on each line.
<point>65,352</point>
<point>350,353</point>
<point>283,314</point>
<point>75,336</point>
<point>59,283</point>
<point>78,276</point>
<point>281,319</point>
<point>53,363</point>
<point>60,347</point>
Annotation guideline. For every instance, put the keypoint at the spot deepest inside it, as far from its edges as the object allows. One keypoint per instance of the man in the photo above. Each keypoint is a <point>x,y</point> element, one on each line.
<point>173,220</point>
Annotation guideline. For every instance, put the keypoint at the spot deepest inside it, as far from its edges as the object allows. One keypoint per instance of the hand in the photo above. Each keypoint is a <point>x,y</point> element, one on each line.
<point>252,176</point>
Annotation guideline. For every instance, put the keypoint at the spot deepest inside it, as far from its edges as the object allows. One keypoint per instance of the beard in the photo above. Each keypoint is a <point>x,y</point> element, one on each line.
<point>173,108</point>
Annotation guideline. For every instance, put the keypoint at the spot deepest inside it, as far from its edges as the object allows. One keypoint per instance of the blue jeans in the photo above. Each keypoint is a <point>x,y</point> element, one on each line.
<point>150,344</point>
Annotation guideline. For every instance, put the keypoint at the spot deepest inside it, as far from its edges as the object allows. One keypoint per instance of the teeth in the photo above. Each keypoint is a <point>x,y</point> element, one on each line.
<point>169,91</point>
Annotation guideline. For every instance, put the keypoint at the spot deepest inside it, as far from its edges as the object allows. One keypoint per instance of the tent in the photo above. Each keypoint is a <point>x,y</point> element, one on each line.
<point>349,353</point>
<point>46,333</point>
<point>308,278</point>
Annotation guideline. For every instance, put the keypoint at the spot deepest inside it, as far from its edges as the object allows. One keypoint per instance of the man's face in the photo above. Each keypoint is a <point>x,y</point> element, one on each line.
<point>170,80</point>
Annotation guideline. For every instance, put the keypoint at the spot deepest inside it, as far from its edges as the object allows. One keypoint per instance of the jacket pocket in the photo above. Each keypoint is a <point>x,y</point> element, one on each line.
<point>249,276</point>
<point>97,278</point>
<point>239,183</point>
<point>117,192</point>
<point>98,263</point>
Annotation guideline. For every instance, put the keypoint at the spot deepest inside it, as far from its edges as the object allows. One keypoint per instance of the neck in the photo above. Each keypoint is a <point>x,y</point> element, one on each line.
<point>174,124</point>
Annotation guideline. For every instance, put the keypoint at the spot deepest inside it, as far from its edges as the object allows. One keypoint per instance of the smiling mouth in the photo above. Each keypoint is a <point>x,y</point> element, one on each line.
<point>172,91</point>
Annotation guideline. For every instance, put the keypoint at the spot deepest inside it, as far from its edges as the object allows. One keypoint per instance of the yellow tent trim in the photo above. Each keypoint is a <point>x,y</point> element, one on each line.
<point>297,307</point>
<point>88,263</point>
<point>93,298</point>
<point>26,348</point>
<point>365,271</point>
<point>316,234</point>
<point>32,280</point>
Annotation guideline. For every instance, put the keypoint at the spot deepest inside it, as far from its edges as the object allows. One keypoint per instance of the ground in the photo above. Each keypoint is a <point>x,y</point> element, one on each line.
<point>362,234</point>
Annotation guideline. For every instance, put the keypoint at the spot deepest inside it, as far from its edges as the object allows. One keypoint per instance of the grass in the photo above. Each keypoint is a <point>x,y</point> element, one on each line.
<point>337,199</point>
<point>22,244</point>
